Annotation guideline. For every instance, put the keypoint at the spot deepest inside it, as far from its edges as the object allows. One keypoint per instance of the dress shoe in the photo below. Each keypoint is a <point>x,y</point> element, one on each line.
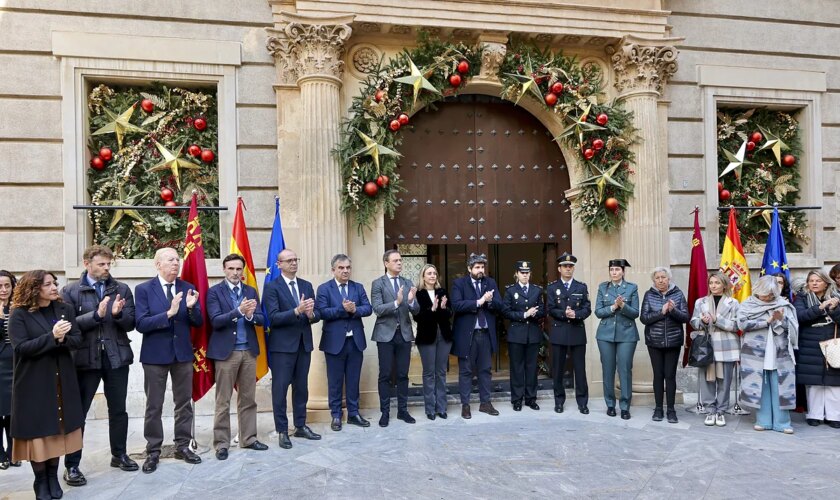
<point>335,424</point>
<point>306,433</point>
<point>222,454</point>
<point>430,416</point>
<point>625,415</point>
<point>358,420</point>
<point>442,415</point>
<point>406,417</point>
<point>256,445</point>
<point>658,415</point>
<point>284,440</point>
<point>517,406</point>
<point>671,415</point>
<point>187,456</point>
<point>558,409</point>
<point>813,422</point>
<point>584,410</point>
<point>383,420</point>
<point>834,424</point>
<point>124,463</point>
<point>533,405</point>
<point>611,411</point>
<point>465,412</point>
<point>74,477</point>
<point>15,464</point>
<point>488,409</point>
<point>151,463</point>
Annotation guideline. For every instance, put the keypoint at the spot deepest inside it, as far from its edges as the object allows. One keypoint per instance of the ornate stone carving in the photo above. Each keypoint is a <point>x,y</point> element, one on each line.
<point>642,66</point>
<point>400,29</point>
<point>365,59</point>
<point>492,56</point>
<point>284,59</point>
<point>369,28</point>
<point>309,49</point>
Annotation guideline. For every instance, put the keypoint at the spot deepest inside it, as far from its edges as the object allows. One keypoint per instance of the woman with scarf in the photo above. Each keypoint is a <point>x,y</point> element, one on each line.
<point>771,333</point>
<point>818,313</point>
<point>716,315</point>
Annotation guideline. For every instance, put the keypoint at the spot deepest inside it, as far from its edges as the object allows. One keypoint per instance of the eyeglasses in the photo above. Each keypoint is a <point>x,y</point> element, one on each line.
<point>289,260</point>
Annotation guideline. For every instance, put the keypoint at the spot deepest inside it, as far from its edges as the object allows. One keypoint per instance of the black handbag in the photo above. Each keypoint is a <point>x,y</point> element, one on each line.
<point>702,354</point>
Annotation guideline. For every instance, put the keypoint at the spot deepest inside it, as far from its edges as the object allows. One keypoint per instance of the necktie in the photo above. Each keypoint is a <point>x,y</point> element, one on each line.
<point>169,295</point>
<point>482,319</point>
<point>235,293</point>
<point>99,286</point>
<point>396,287</point>
<point>343,291</point>
<point>295,293</point>
<point>566,284</point>
<point>525,290</point>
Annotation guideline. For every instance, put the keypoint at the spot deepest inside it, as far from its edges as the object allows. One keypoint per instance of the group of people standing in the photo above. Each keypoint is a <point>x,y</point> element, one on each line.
<point>56,349</point>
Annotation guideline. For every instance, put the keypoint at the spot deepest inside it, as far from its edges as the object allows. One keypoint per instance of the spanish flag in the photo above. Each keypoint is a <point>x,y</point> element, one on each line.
<point>239,245</point>
<point>733,263</point>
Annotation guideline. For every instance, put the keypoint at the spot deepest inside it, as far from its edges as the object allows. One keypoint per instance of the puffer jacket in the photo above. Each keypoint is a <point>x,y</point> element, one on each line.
<point>664,330</point>
<point>108,335</point>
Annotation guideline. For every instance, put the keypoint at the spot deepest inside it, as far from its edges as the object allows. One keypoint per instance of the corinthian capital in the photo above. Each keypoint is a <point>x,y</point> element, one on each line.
<point>643,65</point>
<point>304,47</point>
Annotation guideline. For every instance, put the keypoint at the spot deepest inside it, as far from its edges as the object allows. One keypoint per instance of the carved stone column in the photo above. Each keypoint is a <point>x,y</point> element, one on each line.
<point>641,69</point>
<point>308,54</point>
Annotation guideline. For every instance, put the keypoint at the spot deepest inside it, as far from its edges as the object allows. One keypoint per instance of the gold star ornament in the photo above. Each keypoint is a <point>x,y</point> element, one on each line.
<point>120,124</point>
<point>603,178</point>
<point>527,82</point>
<point>579,125</point>
<point>373,149</point>
<point>774,143</point>
<point>417,81</point>
<point>121,201</point>
<point>736,161</point>
<point>174,162</point>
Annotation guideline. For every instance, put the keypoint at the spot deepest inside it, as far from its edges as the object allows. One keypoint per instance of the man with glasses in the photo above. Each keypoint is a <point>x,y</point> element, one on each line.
<point>290,306</point>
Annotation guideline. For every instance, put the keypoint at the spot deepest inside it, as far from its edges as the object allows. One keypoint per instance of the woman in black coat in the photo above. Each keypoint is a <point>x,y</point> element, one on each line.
<point>434,340</point>
<point>7,288</point>
<point>46,405</point>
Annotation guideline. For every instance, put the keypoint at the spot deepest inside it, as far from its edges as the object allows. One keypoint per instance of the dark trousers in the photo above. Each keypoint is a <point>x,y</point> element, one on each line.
<point>115,384</point>
<point>558,366</point>
<point>523,372</point>
<point>343,372</point>
<point>397,353</point>
<point>617,356</point>
<point>155,385</point>
<point>664,363</point>
<point>478,362</point>
<point>435,359</point>
<point>290,368</point>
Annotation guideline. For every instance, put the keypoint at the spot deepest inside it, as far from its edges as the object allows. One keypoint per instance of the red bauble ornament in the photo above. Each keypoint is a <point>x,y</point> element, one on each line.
<point>147,105</point>
<point>720,187</point>
<point>194,150</point>
<point>463,67</point>
<point>207,156</point>
<point>602,119</point>
<point>200,124</point>
<point>725,195</point>
<point>379,95</point>
<point>394,125</point>
<point>551,99</point>
<point>788,160</point>
<point>557,88</point>
<point>611,204</point>
<point>403,119</point>
<point>371,189</point>
<point>455,80</point>
<point>588,153</point>
<point>106,154</point>
<point>383,181</point>
<point>96,163</point>
<point>756,137</point>
<point>171,203</point>
<point>598,144</point>
<point>167,194</point>
<point>750,145</point>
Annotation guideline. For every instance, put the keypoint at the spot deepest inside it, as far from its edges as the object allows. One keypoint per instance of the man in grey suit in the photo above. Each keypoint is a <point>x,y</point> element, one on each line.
<point>392,298</point>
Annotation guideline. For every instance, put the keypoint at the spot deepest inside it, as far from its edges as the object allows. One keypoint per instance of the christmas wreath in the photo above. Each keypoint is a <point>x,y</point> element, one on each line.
<point>757,167</point>
<point>151,145</point>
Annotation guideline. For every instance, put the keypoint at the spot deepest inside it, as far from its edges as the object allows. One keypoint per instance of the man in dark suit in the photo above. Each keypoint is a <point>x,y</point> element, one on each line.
<point>393,303</point>
<point>290,305</point>
<point>524,308</point>
<point>568,304</point>
<point>166,308</point>
<point>233,309</point>
<point>342,304</point>
<point>104,309</point>
<point>475,301</point>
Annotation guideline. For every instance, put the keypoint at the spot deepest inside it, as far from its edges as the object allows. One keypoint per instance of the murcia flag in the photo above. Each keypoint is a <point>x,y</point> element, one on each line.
<point>698,280</point>
<point>733,263</point>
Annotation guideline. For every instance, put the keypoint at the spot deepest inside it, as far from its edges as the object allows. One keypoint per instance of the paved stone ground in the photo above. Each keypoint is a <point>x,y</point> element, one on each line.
<point>515,455</point>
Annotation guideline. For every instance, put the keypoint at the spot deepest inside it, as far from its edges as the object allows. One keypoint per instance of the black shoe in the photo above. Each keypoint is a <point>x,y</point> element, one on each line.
<point>430,416</point>
<point>222,454</point>
<point>442,415</point>
<point>306,433</point>
<point>465,412</point>
<point>256,445</point>
<point>488,409</point>
<point>657,415</point>
<point>517,406</point>
<point>124,463</point>
<point>834,424</point>
<point>285,442</point>
<point>558,409</point>
<point>5,463</point>
<point>406,417</point>
<point>583,409</point>
<point>335,424</point>
<point>151,463</point>
<point>813,422</point>
<point>358,420</point>
<point>533,405</point>
<point>611,411</point>
<point>671,415</point>
<point>187,456</point>
<point>625,414</point>
<point>74,477</point>
<point>15,464</point>
<point>53,485</point>
<point>383,420</point>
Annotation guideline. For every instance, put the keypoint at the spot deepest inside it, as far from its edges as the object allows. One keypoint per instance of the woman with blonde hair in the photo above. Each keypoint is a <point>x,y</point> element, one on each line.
<point>434,340</point>
<point>716,315</point>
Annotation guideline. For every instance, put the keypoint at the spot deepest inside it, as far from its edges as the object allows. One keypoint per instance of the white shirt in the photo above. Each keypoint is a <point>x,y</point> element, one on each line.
<point>770,350</point>
<point>163,284</point>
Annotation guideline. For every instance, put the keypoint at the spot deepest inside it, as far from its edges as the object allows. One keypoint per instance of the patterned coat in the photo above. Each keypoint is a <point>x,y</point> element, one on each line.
<point>724,330</point>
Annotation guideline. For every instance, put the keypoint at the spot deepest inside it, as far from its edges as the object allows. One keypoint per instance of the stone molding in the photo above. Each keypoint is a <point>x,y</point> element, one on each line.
<point>642,65</point>
<point>492,56</point>
<point>309,47</point>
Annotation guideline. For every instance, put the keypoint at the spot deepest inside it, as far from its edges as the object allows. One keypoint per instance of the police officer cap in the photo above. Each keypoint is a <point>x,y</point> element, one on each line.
<point>566,259</point>
<point>622,263</point>
<point>523,266</point>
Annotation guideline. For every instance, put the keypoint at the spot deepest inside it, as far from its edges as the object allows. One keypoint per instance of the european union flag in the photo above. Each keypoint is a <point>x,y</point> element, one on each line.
<point>775,258</point>
<point>275,245</point>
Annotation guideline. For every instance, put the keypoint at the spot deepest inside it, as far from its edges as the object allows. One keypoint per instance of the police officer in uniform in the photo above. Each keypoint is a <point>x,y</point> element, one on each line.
<point>568,305</point>
<point>523,306</point>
